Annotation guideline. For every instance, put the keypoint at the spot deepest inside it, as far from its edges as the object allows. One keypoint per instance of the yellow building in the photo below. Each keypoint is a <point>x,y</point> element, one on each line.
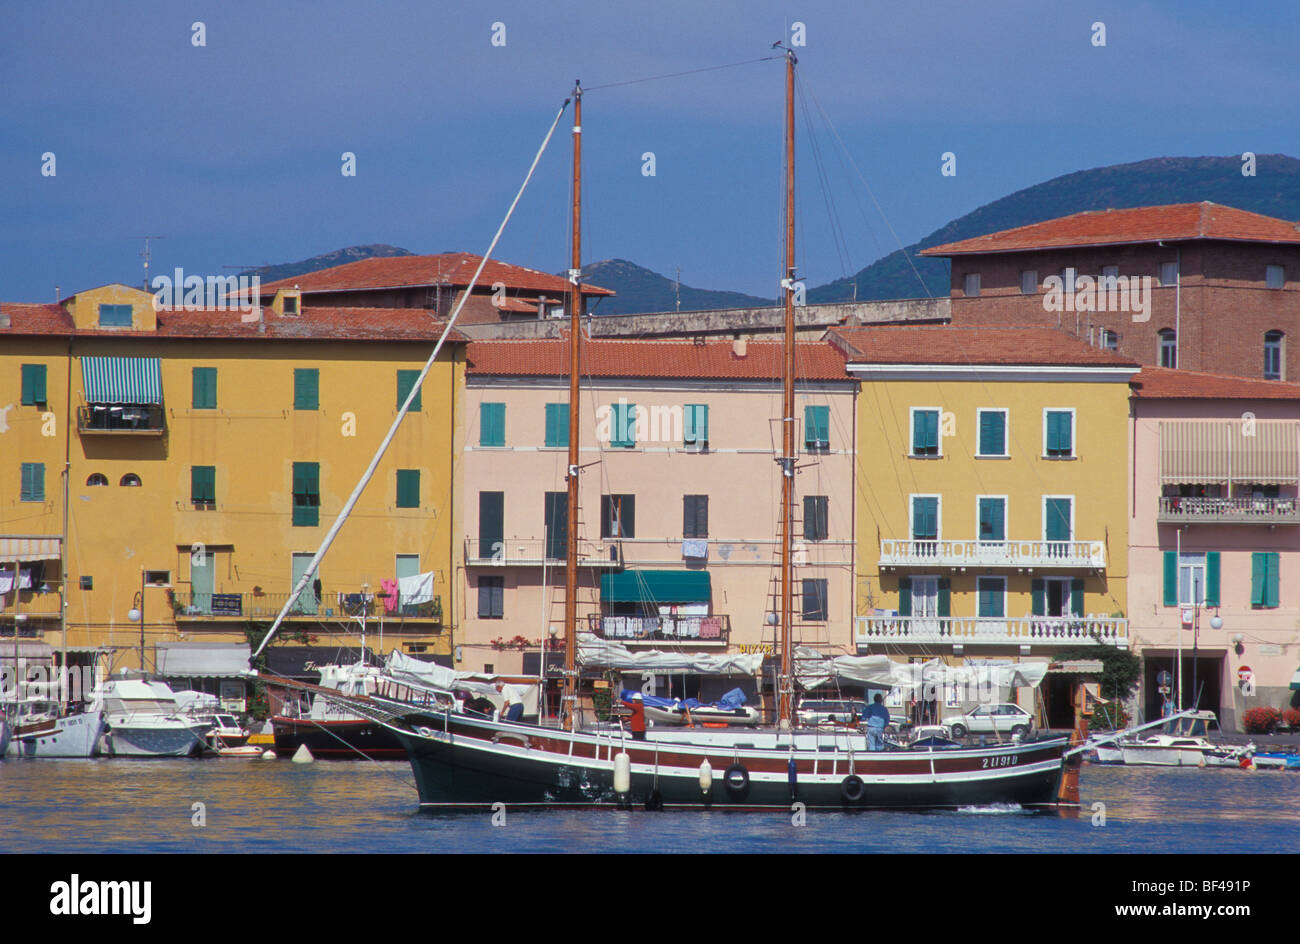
<point>992,492</point>
<point>208,452</point>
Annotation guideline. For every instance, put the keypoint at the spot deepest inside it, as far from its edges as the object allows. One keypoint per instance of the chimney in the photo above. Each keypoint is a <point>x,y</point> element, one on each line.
<point>739,348</point>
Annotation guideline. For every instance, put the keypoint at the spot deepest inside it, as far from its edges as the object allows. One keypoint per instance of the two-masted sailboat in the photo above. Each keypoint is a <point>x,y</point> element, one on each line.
<point>465,761</point>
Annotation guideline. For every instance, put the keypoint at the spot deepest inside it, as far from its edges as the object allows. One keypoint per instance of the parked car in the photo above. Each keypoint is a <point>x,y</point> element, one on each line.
<point>1005,719</point>
<point>830,711</point>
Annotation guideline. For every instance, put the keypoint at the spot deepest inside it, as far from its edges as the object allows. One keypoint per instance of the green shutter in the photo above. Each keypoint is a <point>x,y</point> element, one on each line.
<point>408,488</point>
<point>993,433</point>
<point>33,376</point>
<point>1271,579</point>
<point>557,424</point>
<point>1038,597</point>
<point>306,494</point>
<point>491,525</point>
<point>1076,596</point>
<point>624,432</point>
<point>1059,434</point>
<point>32,487</point>
<point>1171,578</point>
<point>1258,577</point>
<point>203,484</point>
<point>992,519</point>
<point>492,424</point>
<point>306,388</point>
<point>405,381</point>
<point>945,597</point>
<point>695,431</point>
<point>1212,578</point>
<point>904,596</point>
<point>204,386</point>
<point>817,427</point>
<point>1058,519</point>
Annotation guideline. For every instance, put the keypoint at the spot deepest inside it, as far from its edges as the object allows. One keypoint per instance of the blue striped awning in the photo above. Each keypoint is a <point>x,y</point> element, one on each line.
<point>121,379</point>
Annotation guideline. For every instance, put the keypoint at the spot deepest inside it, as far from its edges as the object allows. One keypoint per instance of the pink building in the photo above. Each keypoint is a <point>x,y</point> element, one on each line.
<point>678,542</point>
<point>1215,540</point>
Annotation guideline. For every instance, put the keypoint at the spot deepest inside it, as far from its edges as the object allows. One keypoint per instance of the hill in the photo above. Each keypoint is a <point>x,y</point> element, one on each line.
<point>641,290</point>
<point>325,261</point>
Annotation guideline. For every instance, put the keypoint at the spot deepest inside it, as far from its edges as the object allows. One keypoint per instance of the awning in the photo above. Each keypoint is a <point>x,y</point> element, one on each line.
<point>121,379</point>
<point>27,547</point>
<point>292,661</point>
<point>656,586</point>
<point>29,650</point>
<point>593,651</point>
<point>202,659</point>
<point>1205,452</point>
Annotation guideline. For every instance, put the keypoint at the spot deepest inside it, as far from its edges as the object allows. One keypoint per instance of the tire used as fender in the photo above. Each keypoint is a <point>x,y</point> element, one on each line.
<point>736,780</point>
<point>852,789</point>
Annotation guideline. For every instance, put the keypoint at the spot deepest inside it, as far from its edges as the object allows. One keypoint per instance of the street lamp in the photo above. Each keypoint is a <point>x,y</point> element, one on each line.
<point>136,615</point>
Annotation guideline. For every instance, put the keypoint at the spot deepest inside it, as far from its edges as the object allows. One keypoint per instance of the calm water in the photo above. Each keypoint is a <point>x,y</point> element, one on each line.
<point>277,806</point>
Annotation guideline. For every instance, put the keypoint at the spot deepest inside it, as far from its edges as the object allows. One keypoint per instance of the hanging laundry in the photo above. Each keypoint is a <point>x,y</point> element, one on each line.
<point>693,548</point>
<point>7,580</point>
<point>390,595</point>
<point>416,589</point>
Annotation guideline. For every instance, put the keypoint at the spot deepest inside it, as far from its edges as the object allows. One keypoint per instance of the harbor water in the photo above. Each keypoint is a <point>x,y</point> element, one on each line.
<point>250,806</point>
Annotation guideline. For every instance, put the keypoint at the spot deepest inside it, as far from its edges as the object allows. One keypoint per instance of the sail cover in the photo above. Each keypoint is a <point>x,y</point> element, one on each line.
<point>813,669</point>
<point>604,652</point>
<point>402,668</point>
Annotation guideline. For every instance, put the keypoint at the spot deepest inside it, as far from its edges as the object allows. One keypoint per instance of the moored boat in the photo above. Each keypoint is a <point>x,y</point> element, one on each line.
<point>142,719</point>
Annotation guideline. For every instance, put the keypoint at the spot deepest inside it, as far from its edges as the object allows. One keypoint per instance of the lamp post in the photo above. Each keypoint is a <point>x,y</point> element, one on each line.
<point>136,615</point>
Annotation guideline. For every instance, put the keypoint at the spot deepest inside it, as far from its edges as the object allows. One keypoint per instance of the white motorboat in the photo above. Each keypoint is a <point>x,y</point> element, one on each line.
<point>4,735</point>
<point>226,733</point>
<point>143,720</point>
<point>1184,744</point>
<point>38,729</point>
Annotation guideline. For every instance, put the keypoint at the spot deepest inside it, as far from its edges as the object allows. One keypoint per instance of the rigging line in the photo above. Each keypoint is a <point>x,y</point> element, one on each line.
<point>871,193</point>
<point>836,229</point>
<point>414,392</point>
<point>674,75</point>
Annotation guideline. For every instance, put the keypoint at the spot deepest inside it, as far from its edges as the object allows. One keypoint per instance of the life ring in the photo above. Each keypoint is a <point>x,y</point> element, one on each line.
<point>736,780</point>
<point>852,789</point>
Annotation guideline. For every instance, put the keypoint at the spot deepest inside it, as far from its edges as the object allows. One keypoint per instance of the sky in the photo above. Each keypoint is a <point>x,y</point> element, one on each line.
<point>232,150</point>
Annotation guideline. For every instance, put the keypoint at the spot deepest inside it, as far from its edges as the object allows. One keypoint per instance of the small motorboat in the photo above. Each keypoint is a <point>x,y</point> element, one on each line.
<point>1183,744</point>
<point>730,709</point>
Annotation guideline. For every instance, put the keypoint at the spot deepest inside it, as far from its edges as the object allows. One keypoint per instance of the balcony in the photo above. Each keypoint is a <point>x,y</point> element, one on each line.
<point>1176,510</point>
<point>1025,555</point>
<point>538,552</point>
<point>977,631</point>
<point>331,606</point>
<point>43,602</point>
<point>678,630</point>
<point>142,420</point>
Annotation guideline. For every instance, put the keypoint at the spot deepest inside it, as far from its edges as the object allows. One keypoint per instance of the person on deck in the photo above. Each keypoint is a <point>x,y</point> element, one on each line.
<point>877,718</point>
<point>636,723</point>
<point>513,707</point>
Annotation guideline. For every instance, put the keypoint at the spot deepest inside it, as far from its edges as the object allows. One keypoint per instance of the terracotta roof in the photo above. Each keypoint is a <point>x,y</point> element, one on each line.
<point>1138,225</point>
<point>1162,383</point>
<point>20,318</point>
<point>448,268</point>
<point>762,360</point>
<point>518,304</point>
<point>973,345</point>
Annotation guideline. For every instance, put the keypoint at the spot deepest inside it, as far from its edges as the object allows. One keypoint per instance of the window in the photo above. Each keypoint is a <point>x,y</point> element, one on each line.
<point>1058,525</point>
<point>33,377</point>
<point>203,486</point>
<point>924,597</point>
<point>1110,272</point>
<point>291,304</point>
<point>1167,347</point>
<point>32,488</point>
<point>1057,596</point>
<point>814,599</point>
<point>204,385</point>
<point>557,525</point>
<point>1273,355</point>
<point>405,381</point>
<point>130,480</point>
<point>1274,276</point>
<point>306,494</point>
<point>1109,339</point>
<point>695,427</point>
<point>115,316</point>
<point>993,432</point>
<point>816,517</point>
<point>618,516</point>
<point>1263,579</point>
<point>991,593</point>
<point>491,525</point>
<point>1058,434</point>
<point>97,479</point>
<point>492,424</point>
<point>408,488</point>
<point>925,523</point>
<point>158,578</point>
<point>407,565</point>
<point>623,433</point>
<point>816,428</point>
<point>992,519</point>
<point>557,425</point>
<point>971,284</point>
<point>1191,578</point>
<point>1169,273</point>
<point>491,597</point>
<point>925,432</point>
<point>306,388</point>
<point>1029,282</point>
<point>695,516</point>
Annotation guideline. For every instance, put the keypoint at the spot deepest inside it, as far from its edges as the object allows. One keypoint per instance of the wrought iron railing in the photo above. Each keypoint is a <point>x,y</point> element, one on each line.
<point>329,605</point>
<point>675,629</point>
<point>121,418</point>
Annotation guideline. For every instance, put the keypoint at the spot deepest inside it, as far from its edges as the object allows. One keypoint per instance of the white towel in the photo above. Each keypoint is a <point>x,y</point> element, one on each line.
<point>7,580</point>
<point>415,589</point>
<point>694,548</point>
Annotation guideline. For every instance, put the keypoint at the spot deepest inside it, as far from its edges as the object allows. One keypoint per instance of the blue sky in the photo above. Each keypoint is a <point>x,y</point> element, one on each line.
<point>232,151</point>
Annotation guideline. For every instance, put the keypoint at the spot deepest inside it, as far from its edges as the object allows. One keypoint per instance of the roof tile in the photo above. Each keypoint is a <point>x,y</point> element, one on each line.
<point>1163,383</point>
<point>971,345</point>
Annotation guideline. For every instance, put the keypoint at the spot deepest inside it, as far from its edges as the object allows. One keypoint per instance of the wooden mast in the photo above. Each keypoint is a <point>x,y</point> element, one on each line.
<point>785,694</point>
<point>569,704</point>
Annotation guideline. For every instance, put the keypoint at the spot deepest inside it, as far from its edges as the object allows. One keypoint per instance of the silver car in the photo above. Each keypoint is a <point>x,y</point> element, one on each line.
<point>1004,719</point>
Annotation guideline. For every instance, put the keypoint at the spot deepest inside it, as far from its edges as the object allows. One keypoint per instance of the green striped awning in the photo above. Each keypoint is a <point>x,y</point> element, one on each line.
<point>655,586</point>
<point>121,379</point>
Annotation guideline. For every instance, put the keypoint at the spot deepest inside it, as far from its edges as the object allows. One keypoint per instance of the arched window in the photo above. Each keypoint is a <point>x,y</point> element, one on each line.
<point>1273,359</point>
<point>97,478</point>
<point>130,480</point>
<point>1168,347</point>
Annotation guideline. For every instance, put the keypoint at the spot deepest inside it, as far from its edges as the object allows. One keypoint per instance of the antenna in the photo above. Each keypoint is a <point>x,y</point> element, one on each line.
<point>146,254</point>
<point>678,288</point>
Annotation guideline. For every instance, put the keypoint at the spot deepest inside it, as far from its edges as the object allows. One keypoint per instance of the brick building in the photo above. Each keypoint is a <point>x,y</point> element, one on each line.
<point>1198,286</point>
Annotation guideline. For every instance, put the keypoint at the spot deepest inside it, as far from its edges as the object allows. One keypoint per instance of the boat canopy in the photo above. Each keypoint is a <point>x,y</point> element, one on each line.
<point>879,671</point>
<point>593,650</point>
<point>656,586</point>
<point>403,668</point>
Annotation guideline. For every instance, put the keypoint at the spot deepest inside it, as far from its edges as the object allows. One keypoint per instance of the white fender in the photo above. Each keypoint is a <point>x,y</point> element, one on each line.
<point>622,772</point>
<point>706,776</point>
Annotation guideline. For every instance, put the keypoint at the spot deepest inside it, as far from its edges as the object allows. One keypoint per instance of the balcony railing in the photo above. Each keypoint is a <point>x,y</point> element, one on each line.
<point>534,552</point>
<point>987,630</point>
<point>1027,554</point>
<point>674,629</point>
<point>147,420</point>
<point>330,606</point>
<point>1177,510</point>
<point>39,602</point>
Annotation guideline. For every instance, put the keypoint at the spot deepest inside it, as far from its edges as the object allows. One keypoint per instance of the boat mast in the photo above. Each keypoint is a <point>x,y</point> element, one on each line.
<point>569,704</point>
<point>785,684</point>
